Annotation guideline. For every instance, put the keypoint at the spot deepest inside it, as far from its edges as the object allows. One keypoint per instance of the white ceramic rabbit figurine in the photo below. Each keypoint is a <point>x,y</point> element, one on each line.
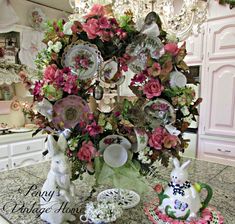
<point>181,200</point>
<point>57,190</point>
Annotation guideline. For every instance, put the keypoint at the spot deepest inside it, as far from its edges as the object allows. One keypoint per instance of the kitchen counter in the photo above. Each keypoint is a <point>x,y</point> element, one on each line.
<point>14,137</point>
<point>15,184</point>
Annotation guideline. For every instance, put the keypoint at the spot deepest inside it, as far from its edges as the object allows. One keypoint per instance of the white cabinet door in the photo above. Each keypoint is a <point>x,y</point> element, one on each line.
<point>194,47</point>
<point>4,151</point>
<point>4,164</point>
<point>219,99</point>
<point>221,38</point>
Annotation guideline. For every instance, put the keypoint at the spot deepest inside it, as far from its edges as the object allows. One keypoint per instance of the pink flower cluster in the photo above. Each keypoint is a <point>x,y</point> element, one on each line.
<point>98,25</point>
<point>160,138</point>
<point>138,78</point>
<point>61,79</point>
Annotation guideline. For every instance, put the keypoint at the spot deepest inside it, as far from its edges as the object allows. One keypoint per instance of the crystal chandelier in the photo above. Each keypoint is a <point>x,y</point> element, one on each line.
<point>182,24</point>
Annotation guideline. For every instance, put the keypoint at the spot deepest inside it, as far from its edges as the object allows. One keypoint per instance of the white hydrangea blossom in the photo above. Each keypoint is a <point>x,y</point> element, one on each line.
<point>144,155</point>
<point>54,47</point>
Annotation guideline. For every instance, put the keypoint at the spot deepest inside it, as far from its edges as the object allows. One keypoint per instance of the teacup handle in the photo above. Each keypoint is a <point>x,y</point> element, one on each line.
<point>209,194</point>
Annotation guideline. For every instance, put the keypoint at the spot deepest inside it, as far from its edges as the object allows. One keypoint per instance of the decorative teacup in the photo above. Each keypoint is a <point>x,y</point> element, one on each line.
<point>181,200</point>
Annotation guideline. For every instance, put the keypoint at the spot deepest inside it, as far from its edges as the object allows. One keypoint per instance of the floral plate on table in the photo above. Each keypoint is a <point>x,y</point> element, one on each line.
<point>83,58</point>
<point>69,111</point>
<point>209,215</point>
<point>160,112</point>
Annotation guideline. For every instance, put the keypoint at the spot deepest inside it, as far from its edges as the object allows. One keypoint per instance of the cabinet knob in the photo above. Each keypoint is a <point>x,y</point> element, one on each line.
<point>28,147</point>
<point>14,164</point>
<point>221,150</point>
<point>7,166</point>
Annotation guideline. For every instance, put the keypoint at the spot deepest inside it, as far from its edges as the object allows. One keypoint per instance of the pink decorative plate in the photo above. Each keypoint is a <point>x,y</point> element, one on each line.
<point>69,111</point>
<point>209,215</point>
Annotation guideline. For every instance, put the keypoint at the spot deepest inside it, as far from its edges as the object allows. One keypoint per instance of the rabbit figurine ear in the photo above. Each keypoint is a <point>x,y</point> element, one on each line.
<point>185,165</point>
<point>52,145</point>
<point>176,163</point>
<point>62,143</point>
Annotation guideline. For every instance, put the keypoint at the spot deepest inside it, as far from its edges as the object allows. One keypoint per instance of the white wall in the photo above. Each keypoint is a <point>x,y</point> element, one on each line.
<point>22,8</point>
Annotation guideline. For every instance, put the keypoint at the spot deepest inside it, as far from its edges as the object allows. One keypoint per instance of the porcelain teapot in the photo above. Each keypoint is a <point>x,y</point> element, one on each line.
<point>180,199</point>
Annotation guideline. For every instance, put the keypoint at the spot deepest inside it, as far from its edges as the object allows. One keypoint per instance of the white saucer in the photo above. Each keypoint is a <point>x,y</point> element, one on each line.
<point>20,130</point>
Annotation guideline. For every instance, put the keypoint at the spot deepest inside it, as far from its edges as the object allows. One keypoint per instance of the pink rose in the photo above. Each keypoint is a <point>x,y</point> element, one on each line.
<point>153,88</point>
<point>156,138</point>
<point>49,73</point>
<point>172,48</point>
<point>96,10</point>
<point>170,141</point>
<point>91,27</point>
<point>87,151</point>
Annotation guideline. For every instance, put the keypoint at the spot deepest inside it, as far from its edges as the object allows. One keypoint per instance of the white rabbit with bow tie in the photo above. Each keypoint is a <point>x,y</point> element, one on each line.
<point>57,190</point>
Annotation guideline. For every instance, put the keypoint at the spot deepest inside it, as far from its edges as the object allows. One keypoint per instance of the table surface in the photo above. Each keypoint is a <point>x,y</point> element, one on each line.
<point>15,184</point>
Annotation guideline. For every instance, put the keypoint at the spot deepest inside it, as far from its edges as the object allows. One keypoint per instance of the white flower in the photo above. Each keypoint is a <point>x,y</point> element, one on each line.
<point>67,28</point>
<point>185,111</point>
<point>57,47</point>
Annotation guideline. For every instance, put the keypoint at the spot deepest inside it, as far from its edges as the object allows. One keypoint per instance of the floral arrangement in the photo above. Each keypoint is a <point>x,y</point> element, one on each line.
<point>153,123</point>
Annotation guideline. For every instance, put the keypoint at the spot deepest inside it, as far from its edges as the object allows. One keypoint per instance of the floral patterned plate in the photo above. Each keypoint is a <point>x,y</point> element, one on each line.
<point>37,18</point>
<point>83,58</point>
<point>68,111</point>
<point>114,139</point>
<point>160,112</point>
<point>140,52</point>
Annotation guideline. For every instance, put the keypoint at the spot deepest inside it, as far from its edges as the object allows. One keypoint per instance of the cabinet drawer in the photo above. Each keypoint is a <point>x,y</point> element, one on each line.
<point>4,164</point>
<point>26,160</point>
<point>26,147</point>
<point>219,148</point>
<point>217,151</point>
<point>4,151</point>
